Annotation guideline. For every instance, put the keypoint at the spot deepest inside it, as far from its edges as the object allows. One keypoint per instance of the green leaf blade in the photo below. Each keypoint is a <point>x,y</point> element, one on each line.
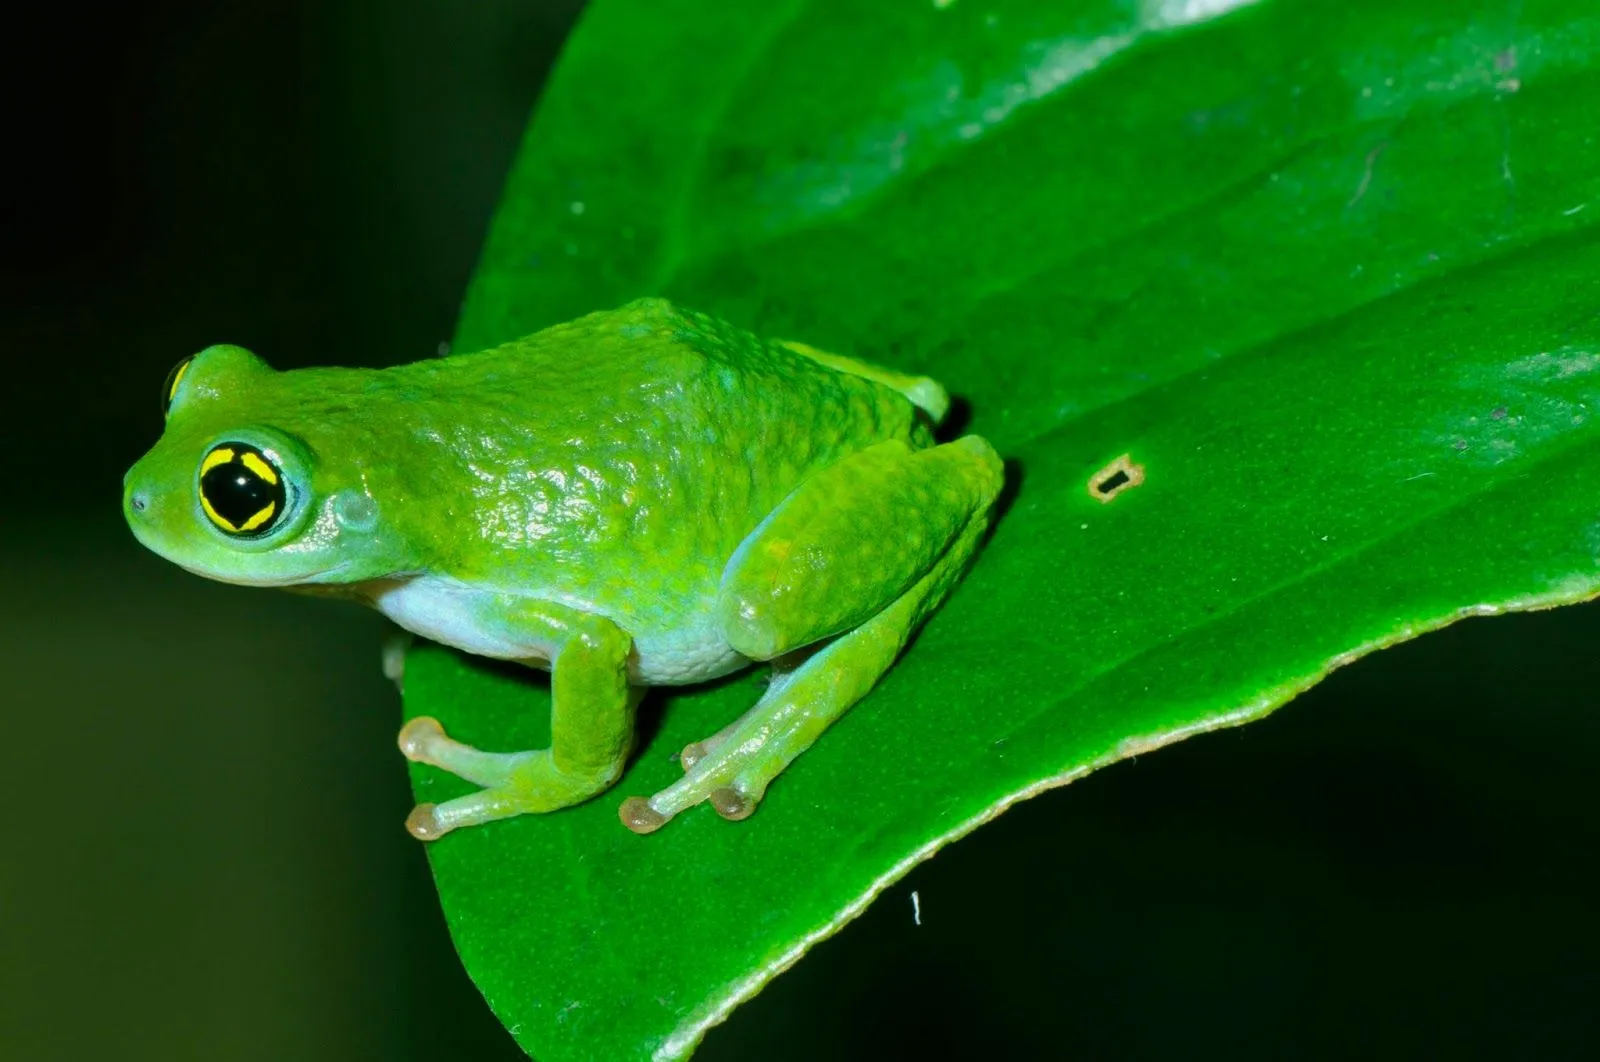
<point>1325,271</point>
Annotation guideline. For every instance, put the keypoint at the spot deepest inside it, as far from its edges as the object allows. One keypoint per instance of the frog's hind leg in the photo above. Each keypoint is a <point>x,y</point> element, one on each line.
<point>867,548</point>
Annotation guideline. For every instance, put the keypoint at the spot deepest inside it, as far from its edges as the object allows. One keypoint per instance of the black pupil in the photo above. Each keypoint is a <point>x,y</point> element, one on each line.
<point>237,493</point>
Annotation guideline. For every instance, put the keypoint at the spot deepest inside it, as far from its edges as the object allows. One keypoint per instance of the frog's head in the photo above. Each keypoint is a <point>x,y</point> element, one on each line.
<point>246,484</point>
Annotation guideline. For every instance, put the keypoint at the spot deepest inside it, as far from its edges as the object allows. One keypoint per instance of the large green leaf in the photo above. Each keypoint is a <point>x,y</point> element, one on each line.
<point>1324,268</point>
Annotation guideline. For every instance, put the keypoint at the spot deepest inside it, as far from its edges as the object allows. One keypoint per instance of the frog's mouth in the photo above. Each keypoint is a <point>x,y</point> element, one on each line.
<point>326,575</point>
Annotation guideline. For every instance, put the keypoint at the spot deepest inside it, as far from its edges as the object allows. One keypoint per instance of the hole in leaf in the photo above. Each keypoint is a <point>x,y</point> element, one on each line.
<point>1110,484</point>
<point>1120,475</point>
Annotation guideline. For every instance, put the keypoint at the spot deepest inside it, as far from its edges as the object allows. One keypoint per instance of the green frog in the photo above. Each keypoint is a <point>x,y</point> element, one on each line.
<point>643,496</point>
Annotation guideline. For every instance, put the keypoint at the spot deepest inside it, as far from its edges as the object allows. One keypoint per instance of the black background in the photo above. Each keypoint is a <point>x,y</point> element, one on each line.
<point>203,856</point>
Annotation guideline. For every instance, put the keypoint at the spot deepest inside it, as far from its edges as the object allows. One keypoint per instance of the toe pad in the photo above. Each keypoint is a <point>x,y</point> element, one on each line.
<point>731,804</point>
<point>423,824</point>
<point>418,734</point>
<point>638,816</point>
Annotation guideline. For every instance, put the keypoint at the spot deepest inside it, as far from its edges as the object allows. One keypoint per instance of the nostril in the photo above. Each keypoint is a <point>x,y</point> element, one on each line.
<point>136,502</point>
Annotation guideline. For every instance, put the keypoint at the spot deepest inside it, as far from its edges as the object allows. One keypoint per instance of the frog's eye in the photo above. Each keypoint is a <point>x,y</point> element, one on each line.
<point>241,490</point>
<point>169,390</point>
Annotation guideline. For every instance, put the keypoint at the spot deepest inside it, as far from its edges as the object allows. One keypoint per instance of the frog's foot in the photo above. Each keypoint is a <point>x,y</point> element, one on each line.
<point>515,783</point>
<point>732,768</point>
<point>639,814</point>
<point>695,751</point>
<point>783,669</point>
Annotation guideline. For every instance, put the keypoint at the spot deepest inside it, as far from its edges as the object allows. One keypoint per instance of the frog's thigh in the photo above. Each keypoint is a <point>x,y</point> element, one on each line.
<point>591,730</point>
<point>850,540</point>
<point>733,773</point>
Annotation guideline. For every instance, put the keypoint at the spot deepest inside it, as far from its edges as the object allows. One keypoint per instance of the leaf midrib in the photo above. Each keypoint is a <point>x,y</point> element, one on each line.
<point>857,211</point>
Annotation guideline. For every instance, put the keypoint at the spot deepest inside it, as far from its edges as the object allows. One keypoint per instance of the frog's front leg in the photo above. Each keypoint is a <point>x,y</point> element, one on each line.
<point>591,729</point>
<point>849,563</point>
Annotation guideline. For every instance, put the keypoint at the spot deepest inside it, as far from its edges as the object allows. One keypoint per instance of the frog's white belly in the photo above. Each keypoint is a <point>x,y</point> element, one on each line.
<point>451,613</point>
<point>454,614</point>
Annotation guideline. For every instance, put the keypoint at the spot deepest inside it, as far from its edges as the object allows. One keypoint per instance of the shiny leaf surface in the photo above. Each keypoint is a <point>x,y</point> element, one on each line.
<point>1324,272</point>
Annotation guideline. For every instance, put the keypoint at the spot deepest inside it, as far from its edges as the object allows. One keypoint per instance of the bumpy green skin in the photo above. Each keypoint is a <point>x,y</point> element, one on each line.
<point>640,496</point>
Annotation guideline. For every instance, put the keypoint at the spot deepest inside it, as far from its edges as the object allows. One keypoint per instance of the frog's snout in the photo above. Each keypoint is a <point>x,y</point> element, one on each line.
<point>142,509</point>
<point>135,498</point>
<point>138,502</point>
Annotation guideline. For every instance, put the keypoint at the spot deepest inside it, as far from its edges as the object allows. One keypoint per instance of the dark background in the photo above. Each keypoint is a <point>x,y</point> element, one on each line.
<point>203,856</point>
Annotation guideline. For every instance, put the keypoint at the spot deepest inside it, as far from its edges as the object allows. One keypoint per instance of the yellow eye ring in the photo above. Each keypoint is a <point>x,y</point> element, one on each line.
<point>241,490</point>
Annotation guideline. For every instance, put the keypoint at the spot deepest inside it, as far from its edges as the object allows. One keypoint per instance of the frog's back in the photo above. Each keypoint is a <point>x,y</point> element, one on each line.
<point>616,461</point>
<point>651,355</point>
